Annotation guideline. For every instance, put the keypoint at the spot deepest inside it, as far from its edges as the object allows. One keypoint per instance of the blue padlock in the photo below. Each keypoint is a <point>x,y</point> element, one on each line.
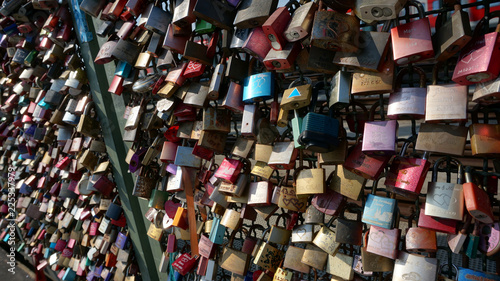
<point>258,87</point>
<point>379,211</point>
<point>123,69</point>
<point>469,274</point>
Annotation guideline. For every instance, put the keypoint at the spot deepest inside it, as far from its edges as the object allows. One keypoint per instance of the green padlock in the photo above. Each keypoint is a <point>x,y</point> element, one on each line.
<point>297,129</point>
<point>473,243</point>
<point>203,27</point>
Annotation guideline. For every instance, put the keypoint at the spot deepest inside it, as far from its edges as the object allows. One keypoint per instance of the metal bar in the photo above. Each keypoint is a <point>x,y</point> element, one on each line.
<point>108,108</point>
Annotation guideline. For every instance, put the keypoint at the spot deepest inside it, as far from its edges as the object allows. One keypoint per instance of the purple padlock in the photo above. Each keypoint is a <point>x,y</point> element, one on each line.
<point>121,240</point>
<point>379,137</point>
<point>489,241</point>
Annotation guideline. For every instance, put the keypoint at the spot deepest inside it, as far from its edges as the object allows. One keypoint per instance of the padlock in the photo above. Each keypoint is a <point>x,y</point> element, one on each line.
<point>473,243</point>
<point>216,120</point>
<point>200,52</point>
<point>379,138</point>
<point>253,13</point>
<point>447,139</point>
<point>216,12</point>
<point>259,193</point>
<point>313,138</point>
<point>238,39</point>
<point>233,260</point>
<point>87,125</point>
<point>335,31</point>
<point>487,92</point>
<point>488,243</point>
<point>283,59</point>
<point>340,266</point>
<point>445,200</point>
<point>437,224</point>
<point>309,181</point>
<point>233,100</point>
<point>146,182</point>
<point>314,257</point>
<point>268,256</point>
<point>469,70</point>
<point>408,103</point>
<point>379,10</point>
<point>477,200</point>
<point>229,170</point>
<point>241,185</point>
<point>174,182</point>
<point>283,155</point>
<point>339,90</point>
<point>420,239</point>
<point>92,7</point>
<point>453,95</point>
<point>274,28</point>
<point>314,216</point>
<point>411,42</point>
<point>231,219</point>
<point>298,94</point>
<point>465,273</point>
<point>346,183</point>
<point>329,203</point>
<point>338,155</point>
<point>384,241</point>
<point>373,262</point>
<point>452,34</point>
<point>406,175</point>
<point>250,242</point>
<point>325,239</point>
<point>379,211</point>
<point>373,48</point>
<point>258,87</point>
<point>216,82</point>
<point>349,231</point>
<point>456,241</point>
<point>183,13</point>
<point>415,265</point>
<point>365,83</point>
<point>483,136</point>
<point>302,233</point>
<point>203,27</point>
<point>293,257</point>
<point>301,22</point>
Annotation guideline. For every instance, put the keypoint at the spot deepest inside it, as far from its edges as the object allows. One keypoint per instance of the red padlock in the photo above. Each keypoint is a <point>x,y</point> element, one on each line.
<point>477,200</point>
<point>185,263</point>
<point>412,42</point>
<point>477,61</point>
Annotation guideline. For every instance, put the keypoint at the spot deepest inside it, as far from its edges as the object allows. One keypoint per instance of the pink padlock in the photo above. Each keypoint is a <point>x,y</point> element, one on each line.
<point>379,137</point>
<point>229,170</point>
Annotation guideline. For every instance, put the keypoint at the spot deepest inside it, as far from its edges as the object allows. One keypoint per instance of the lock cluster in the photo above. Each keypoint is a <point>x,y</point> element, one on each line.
<point>250,139</point>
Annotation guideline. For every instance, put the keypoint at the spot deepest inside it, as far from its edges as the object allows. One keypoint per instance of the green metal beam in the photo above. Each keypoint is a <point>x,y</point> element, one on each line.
<point>110,109</point>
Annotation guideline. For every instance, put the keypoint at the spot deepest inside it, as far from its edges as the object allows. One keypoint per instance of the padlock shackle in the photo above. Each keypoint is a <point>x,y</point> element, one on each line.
<point>283,215</point>
<point>452,160</point>
<point>352,208</point>
<point>419,6</point>
<point>375,184</point>
<point>485,110</point>
<point>374,107</point>
<point>253,228</point>
<point>64,102</point>
<point>406,70</point>
<point>453,266</point>
<point>480,28</point>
